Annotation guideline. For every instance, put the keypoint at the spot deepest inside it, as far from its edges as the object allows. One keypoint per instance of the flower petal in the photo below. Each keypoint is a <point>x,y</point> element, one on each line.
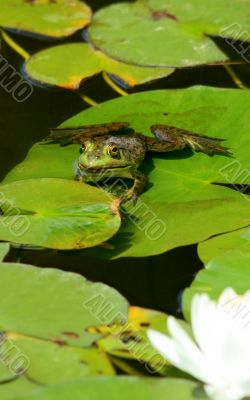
<point>222,340</point>
<point>191,359</point>
<point>230,392</point>
<point>165,346</point>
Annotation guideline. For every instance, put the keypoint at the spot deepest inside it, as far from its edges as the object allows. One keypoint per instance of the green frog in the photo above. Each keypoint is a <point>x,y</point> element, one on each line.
<point>107,151</point>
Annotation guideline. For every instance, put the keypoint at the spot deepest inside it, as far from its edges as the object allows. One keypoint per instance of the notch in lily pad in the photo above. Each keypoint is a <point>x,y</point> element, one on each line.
<point>83,62</point>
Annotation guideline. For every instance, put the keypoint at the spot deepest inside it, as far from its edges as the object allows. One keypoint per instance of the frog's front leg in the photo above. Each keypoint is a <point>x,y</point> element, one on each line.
<point>170,138</point>
<point>140,181</point>
<point>79,176</point>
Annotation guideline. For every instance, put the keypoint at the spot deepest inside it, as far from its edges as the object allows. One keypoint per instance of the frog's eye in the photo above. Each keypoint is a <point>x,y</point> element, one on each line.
<point>113,150</point>
<point>82,149</point>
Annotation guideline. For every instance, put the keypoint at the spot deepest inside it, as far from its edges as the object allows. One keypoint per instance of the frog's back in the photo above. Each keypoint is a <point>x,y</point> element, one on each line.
<point>133,145</point>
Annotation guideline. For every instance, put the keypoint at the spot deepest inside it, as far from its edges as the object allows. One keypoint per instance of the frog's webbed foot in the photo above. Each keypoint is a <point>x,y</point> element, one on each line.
<point>132,194</point>
<point>77,135</point>
<point>175,138</point>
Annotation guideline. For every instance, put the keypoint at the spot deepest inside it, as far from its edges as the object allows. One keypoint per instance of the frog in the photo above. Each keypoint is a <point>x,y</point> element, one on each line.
<point>111,150</point>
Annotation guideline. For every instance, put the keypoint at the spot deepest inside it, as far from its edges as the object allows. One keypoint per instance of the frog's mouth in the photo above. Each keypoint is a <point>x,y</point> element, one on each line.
<point>96,169</point>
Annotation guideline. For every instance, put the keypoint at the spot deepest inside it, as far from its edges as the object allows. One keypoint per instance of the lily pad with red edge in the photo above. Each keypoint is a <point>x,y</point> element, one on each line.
<point>49,67</point>
<point>53,19</point>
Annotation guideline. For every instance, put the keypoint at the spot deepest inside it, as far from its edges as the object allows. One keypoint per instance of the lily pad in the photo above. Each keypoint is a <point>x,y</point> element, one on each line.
<point>55,19</point>
<point>230,269</point>
<point>19,387</point>
<point>44,338</point>
<point>134,388</point>
<point>53,304</point>
<point>182,205</point>
<point>4,249</point>
<point>160,33</point>
<point>57,213</point>
<point>66,363</point>
<point>48,67</point>
<point>238,240</point>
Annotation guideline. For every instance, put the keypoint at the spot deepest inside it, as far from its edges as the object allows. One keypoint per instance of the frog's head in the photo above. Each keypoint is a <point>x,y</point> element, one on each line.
<point>110,156</point>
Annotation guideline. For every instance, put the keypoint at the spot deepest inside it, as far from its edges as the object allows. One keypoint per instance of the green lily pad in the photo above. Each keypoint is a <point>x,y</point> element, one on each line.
<point>182,204</point>
<point>66,363</point>
<point>17,387</point>
<point>230,269</point>
<point>57,213</point>
<point>238,240</point>
<point>6,373</point>
<point>44,338</point>
<point>4,249</point>
<point>53,304</point>
<point>35,167</point>
<point>160,33</point>
<point>128,388</point>
<point>83,62</point>
<point>55,19</point>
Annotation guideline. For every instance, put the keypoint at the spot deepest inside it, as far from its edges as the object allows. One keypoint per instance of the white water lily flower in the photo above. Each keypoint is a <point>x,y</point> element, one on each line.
<point>219,354</point>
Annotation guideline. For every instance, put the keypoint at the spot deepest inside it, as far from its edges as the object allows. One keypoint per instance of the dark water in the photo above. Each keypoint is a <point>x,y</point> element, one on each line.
<point>154,282</point>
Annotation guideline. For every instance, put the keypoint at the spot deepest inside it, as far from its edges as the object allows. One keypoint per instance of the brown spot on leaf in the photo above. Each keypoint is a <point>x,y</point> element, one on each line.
<point>71,335</point>
<point>157,15</point>
<point>60,342</point>
<point>92,329</point>
<point>127,337</point>
<point>122,351</point>
<point>145,324</point>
